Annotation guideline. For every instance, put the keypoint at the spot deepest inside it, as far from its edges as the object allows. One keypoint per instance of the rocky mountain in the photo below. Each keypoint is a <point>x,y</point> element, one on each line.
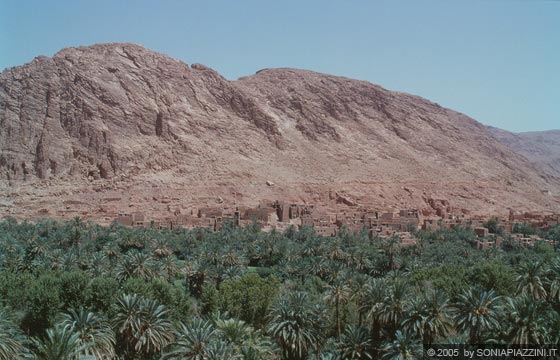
<point>542,148</point>
<point>121,122</point>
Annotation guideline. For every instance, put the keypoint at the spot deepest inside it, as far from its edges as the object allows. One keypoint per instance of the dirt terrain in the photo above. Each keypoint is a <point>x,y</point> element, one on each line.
<point>97,129</point>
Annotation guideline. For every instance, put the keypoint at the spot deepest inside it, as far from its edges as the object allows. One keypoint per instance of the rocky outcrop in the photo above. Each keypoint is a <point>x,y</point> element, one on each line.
<point>101,110</point>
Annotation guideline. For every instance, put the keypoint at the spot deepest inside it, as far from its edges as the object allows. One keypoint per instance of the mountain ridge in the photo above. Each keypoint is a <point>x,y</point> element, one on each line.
<point>119,117</point>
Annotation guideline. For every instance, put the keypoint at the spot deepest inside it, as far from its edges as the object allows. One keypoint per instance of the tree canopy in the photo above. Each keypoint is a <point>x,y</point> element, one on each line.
<point>77,290</point>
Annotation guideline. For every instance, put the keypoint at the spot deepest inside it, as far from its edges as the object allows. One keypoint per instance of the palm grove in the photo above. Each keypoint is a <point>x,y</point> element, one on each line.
<point>77,290</point>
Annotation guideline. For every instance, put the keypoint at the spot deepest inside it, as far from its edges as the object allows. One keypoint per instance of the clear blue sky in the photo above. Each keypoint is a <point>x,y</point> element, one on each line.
<point>495,60</point>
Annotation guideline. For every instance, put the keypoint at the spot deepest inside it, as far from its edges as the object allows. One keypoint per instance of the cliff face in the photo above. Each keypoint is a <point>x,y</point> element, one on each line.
<point>120,111</point>
<point>542,148</point>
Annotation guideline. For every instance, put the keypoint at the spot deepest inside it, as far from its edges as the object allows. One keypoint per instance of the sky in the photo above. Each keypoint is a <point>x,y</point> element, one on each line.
<point>494,60</point>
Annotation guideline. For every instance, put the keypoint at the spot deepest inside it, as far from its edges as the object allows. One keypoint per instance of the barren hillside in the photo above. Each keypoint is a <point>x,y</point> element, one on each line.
<point>94,129</point>
<point>542,148</point>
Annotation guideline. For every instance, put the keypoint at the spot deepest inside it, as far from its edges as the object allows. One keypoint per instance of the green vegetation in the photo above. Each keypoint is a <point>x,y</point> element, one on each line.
<point>76,290</point>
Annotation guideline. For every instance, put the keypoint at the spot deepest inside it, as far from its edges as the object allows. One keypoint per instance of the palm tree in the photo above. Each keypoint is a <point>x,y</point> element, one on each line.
<point>233,272</point>
<point>155,329</point>
<point>553,280</point>
<point>60,343</point>
<point>70,261</point>
<point>360,260</point>
<point>404,347</point>
<point>127,318</point>
<point>231,258</point>
<point>527,320</point>
<point>376,292</point>
<point>337,254</point>
<point>220,350</point>
<point>192,341</point>
<point>529,281</point>
<point>160,249</point>
<point>95,333</point>
<point>392,248</point>
<point>293,326</point>
<point>316,266</point>
<point>429,317</point>
<point>359,285</point>
<point>334,271</point>
<point>112,250</point>
<point>355,344</point>
<point>554,324</point>
<point>97,265</point>
<point>10,255</point>
<point>78,226</point>
<point>297,266</point>
<point>233,330</point>
<point>142,325</point>
<point>244,339</point>
<point>415,316</point>
<point>477,311</point>
<point>308,249</point>
<point>337,294</point>
<point>56,259</point>
<point>268,249</point>
<point>394,306</point>
<point>169,268</point>
<point>136,264</point>
<point>12,340</point>
<point>439,319</point>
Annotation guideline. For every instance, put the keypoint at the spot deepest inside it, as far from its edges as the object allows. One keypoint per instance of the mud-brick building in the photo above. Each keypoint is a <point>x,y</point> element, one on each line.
<point>263,215</point>
<point>484,244</point>
<point>210,212</point>
<point>282,211</point>
<point>481,232</point>
<point>409,218</point>
<point>406,239</point>
<point>353,220</point>
<point>432,224</point>
<point>136,219</point>
<point>204,222</point>
<point>297,210</point>
<point>323,224</point>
